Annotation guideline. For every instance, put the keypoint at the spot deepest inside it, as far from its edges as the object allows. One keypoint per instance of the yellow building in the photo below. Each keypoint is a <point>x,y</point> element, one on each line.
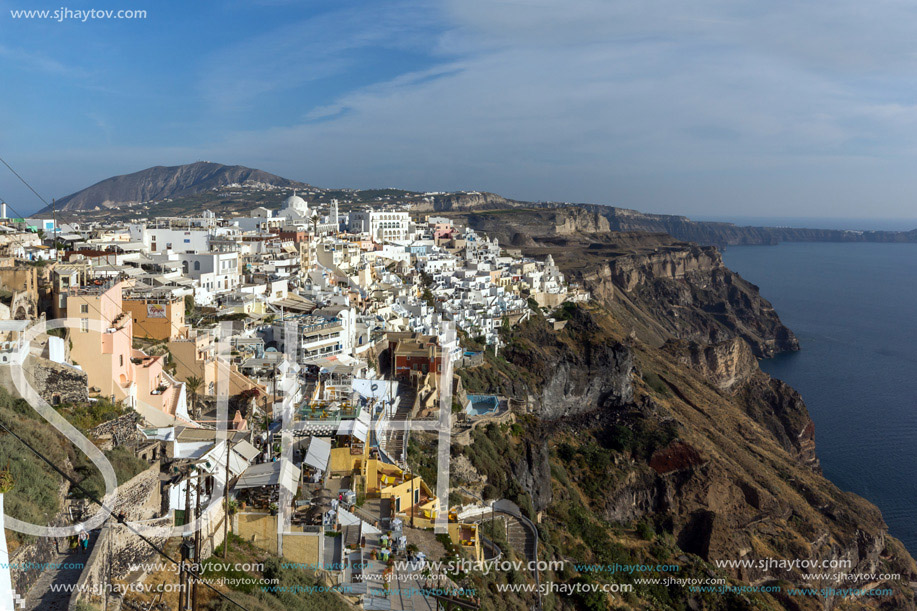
<point>157,318</point>
<point>408,493</point>
<point>466,537</point>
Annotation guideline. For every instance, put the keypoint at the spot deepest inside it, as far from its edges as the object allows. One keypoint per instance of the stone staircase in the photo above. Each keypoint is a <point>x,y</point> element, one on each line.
<point>395,446</point>
<point>41,596</point>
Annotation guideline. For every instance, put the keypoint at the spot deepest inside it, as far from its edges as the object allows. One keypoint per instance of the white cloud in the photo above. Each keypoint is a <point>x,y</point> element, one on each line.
<point>790,107</point>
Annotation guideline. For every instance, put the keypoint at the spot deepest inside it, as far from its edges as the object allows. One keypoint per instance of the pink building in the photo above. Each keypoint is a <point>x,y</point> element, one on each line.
<point>102,338</point>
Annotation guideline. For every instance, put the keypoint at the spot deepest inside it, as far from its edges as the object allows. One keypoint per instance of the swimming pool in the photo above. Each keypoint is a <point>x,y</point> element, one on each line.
<point>481,405</point>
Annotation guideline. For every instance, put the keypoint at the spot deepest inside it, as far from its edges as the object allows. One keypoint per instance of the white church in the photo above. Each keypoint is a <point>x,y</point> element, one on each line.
<point>294,215</point>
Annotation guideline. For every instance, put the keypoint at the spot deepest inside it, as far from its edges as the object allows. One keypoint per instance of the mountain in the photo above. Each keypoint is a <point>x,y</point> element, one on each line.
<point>161,182</point>
<point>199,186</point>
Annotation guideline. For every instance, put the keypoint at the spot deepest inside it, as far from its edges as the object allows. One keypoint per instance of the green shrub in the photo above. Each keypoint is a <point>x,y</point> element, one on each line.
<point>656,383</point>
<point>645,530</point>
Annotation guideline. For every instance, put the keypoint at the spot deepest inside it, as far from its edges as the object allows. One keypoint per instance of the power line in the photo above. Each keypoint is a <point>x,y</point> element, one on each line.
<point>139,324</point>
<point>24,181</point>
<point>119,517</point>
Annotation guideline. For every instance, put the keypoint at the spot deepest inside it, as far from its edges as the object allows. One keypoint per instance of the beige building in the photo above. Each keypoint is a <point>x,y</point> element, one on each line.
<point>161,318</point>
<point>195,356</point>
<point>101,341</point>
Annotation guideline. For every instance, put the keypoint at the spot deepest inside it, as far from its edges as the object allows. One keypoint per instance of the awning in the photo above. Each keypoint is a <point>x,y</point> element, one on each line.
<point>318,454</point>
<point>354,428</point>
<point>245,450</point>
<point>375,389</point>
<point>336,363</point>
<point>282,473</point>
<point>216,458</point>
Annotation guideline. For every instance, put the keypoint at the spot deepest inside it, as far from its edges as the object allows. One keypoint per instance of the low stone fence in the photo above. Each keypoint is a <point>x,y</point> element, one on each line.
<point>118,552</point>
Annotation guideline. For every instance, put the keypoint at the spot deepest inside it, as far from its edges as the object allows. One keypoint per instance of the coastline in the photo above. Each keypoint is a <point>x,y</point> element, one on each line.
<point>851,369</point>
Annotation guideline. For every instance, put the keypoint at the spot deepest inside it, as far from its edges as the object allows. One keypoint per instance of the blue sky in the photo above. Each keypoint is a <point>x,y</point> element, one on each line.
<point>713,107</point>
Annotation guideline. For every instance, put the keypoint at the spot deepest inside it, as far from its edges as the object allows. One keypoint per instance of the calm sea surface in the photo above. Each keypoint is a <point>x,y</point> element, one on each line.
<point>853,309</point>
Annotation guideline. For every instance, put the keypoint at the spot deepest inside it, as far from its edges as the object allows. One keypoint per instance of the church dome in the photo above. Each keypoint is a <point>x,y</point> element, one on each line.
<point>295,202</point>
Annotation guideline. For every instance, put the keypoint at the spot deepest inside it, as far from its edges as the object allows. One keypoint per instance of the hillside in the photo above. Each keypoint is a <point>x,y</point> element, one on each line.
<point>653,439</point>
<point>516,218</point>
<point>161,183</point>
<point>235,190</point>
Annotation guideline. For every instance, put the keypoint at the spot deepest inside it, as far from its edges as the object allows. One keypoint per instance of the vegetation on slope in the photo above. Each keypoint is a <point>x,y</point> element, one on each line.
<point>37,489</point>
<point>683,473</point>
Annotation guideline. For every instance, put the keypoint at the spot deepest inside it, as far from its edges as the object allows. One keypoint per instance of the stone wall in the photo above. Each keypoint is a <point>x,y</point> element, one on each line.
<point>56,383</point>
<point>120,431</point>
<point>118,549</point>
<point>259,529</point>
<point>470,360</point>
<point>121,552</point>
<point>38,552</point>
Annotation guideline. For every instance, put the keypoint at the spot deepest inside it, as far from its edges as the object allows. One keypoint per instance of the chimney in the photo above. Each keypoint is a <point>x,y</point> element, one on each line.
<point>2,210</point>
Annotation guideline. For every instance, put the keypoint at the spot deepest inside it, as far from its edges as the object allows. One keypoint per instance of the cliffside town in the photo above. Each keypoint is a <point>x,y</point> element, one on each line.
<point>379,405</point>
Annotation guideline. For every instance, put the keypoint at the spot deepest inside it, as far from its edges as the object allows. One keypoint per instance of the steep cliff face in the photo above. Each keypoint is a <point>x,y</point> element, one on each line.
<point>728,365</point>
<point>666,288</point>
<point>572,372</point>
<point>692,441</point>
<point>729,234</point>
<point>679,227</point>
<point>461,200</point>
<point>686,292</point>
<point>633,271</point>
<point>526,227</point>
<point>731,367</point>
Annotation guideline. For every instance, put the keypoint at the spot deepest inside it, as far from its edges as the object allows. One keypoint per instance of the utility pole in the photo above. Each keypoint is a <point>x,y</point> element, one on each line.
<point>226,502</point>
<point>54,228</point>
<point>183,569</point>
<point>197,546</point>
<point>493,521</point>
<point>392,362</point>
<point>270,448</point>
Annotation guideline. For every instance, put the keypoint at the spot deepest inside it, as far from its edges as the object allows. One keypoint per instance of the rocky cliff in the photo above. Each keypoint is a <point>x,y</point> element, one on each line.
<point>687,292</point>
<point>686,453</point>
<point>666,288</point>
<point>728,365</point>
<point>679,227</point>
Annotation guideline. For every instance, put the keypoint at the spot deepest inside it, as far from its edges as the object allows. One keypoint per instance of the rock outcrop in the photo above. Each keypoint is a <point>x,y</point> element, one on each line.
<point>707,449</point>
<point>679,227</point>
<point>728,365</point>
<point>685,291</point>
<point>572,373</point>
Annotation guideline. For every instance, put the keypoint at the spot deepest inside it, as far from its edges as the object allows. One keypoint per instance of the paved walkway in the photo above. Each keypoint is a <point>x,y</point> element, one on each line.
<point>41,597</point>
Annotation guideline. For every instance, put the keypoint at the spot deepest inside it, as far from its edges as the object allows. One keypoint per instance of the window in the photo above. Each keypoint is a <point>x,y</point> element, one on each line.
<point>121,360</point>
<point>197,266</point>
<point>84,308</point>
<point>84,325</point>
